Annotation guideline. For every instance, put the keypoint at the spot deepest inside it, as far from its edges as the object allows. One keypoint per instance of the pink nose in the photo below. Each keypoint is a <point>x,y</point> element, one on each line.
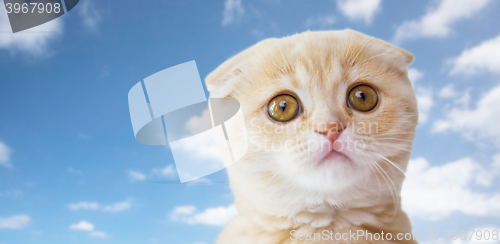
<point>332,134</point>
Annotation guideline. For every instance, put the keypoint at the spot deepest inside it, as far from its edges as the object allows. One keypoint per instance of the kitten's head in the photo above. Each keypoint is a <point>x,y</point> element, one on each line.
<point>324,111</point>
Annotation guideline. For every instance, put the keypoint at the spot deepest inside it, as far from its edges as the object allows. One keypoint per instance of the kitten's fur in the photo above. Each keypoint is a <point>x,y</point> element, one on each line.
<point>277,191</point>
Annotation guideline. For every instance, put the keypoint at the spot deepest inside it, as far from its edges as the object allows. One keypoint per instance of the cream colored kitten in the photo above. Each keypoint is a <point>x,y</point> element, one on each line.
<point>303,97</point>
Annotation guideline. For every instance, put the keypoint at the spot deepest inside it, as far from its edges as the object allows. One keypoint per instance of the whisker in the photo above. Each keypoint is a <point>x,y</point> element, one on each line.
<point>390,183</point>
<point>388,145</point>
<point>372,167</point>
<point>393,164</point>
<point>402,133</point>
<point>393,187</point>
<point>397,139</point>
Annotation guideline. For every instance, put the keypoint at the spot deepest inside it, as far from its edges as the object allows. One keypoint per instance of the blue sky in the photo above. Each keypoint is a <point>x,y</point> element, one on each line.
<point>72,172</point>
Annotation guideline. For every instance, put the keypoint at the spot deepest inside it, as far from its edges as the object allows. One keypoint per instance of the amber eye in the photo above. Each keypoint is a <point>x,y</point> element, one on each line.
<point>362,98</point>
<point>283,108</point>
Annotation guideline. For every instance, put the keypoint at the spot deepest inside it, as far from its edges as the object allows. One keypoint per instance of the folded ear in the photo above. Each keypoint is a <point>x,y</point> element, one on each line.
<point>388,52</point>
<point>220,83</point>
<point>397,56</point>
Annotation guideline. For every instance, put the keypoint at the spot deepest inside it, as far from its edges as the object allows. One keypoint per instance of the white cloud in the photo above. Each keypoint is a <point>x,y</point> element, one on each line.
<point>359,9</point>
<point>496,163</point>
<point>5,152</point>
<point>182,210</point>
<point>84,205</point>
<point>195,124</point>
<point>168,171</point>
<point>113,208</point>
<point>483,57</point>
<point>233,10</point>
<point>480,122</point>
<point>89,227</point>
<point>211,216</point>
<point>82,225</point>
<point>15,222</point>
<point>99,234</point>
<point>462,98</point>
<point>90,15</point>
<point>414,75</point>
<point>449,187</point>
<point>34,41</point>
<point>201,147</point>
<point>198,155</point>
<point>425,103</point>
<point>425,100</point>
<point>439,18</point>
<point>117,207</point>
<point>136,175</point>
<point>322,21</point>
<point>448,91</point>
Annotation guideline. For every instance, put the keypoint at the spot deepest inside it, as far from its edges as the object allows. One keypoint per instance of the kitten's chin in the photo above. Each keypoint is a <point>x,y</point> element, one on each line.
<point>334,157</point>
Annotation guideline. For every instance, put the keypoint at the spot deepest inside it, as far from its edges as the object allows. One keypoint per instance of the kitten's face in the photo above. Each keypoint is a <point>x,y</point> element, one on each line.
<point>322,109</point>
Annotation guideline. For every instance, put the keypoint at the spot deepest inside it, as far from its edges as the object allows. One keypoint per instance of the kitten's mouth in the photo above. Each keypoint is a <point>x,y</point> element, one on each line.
<point>334,156</point>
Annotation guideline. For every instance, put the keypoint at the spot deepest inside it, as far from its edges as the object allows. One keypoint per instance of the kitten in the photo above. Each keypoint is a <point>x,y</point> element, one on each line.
<point>305,98</point>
